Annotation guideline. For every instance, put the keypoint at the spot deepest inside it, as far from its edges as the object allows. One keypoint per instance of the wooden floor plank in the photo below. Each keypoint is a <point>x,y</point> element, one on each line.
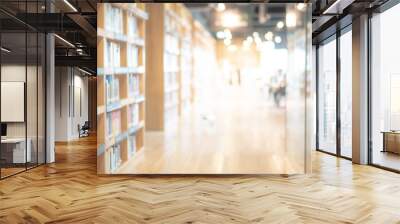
<point>70,191</point>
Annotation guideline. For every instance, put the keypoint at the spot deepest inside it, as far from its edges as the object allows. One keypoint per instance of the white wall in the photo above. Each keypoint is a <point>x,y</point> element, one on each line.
<point>69,85</point>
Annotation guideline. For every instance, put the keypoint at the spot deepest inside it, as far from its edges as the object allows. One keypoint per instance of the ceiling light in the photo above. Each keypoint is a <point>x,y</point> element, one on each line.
<point>256,34</point>
<point>228,34</point>
<point>227,42</point>
<point>291,19</point>
<point>301,6</point>
<point>65,41</point>
<point>280,25</point>
<point>231,19</point>
<point>70,5</point>
<point>269,36</point>
<point>249,39</point>
<point>278,39</point>
<point>5,50</point>
<point>220,34</point>
<point>86,72</point>
<point>220,7</point>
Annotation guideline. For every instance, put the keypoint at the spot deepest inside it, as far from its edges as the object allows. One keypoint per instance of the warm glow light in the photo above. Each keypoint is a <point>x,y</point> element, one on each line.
<point>227,42</point>
<point>291,19</point>
<point>220,34</point>
<point>269,36</point>
<point>278,39</point>
<point>228,34</point>
<point>280,25</point>
<point>301,6</point>
<point>249,39</point>
<point>256,34</point>
<point>220,7</point>
<point>231,19</point>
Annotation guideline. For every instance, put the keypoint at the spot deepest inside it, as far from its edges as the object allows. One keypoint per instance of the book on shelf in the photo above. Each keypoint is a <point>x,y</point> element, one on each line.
<point>131,145</point>
<point>134,85</point>
<point>133,56</point>
<point>132,26</point>
<point>113,123</point>
<point>112,89</point>
<point>133,114</point>
<point>112,54</point>
<point>113,20</point>
<point>115,157</point>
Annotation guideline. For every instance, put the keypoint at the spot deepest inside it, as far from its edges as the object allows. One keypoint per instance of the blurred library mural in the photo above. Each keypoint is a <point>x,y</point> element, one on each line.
<point>204,88</point>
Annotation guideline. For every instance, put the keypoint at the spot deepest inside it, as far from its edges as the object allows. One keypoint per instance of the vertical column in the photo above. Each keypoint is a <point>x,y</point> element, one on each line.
<point>50,99</point>
<point>360,90</point>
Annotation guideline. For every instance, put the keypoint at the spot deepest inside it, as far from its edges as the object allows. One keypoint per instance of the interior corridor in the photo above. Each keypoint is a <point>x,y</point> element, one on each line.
<point>230,129</point>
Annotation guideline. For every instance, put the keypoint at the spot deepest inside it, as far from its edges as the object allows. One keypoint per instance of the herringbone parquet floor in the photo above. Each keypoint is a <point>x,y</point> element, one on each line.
<point>71,192</point>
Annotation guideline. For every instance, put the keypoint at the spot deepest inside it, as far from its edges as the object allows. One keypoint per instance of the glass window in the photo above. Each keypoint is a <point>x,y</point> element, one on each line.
<point>346,94</point>
<point>327,97</point>
<point>385,84</point>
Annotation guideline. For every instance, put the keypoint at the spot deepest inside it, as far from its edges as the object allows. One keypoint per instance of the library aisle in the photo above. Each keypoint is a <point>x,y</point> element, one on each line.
<point>226,136</point>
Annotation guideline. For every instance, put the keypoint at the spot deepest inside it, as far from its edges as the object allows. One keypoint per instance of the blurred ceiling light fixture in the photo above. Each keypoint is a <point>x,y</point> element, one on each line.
<point>301,6</point>
<point>227,34</point>
<point>220,34</point>
<point>249,39</point>
<point>221,7</point>
<point>227,42</point>
<point>231,19</point>
<point>256,34</point>
<point>269,36</point>
<point>65,41</point>
<point>5,50</point>
<point>70,5</point>
<point>291,19</point>
<point>280,24</point>
<point>278,39</point>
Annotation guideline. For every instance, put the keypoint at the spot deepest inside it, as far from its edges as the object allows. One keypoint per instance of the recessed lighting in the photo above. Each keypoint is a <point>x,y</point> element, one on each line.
<point>280,24</point>
<point>220,34</point>
<point>269,35</point>
<point>301,6</point>
<point>291,19</point>
<point>221,7</point>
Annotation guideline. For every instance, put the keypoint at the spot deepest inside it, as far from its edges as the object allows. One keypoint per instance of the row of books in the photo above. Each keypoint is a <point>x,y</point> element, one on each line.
<point>112,54</point>
<point>115,157</point>
<point>113,19</point>
<point>133,30</point>
<point>131,145</point>
<point>170,80</point>
<point>171,98</point>
<point>171,63</point>
<point>133,114</point>
<point>113,123</point>
<point>134,85</point>
<point>170,24</point>
<point>171,43</point>
<point>133,56</point>
<point>112,89</point>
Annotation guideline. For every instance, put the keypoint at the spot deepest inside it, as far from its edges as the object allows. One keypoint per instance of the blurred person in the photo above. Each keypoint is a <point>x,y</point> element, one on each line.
<point>278,87</point>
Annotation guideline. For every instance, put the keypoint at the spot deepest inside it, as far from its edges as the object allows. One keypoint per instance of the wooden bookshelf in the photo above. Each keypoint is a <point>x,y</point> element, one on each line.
<point>121,83</point>
<point>169,67</point>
